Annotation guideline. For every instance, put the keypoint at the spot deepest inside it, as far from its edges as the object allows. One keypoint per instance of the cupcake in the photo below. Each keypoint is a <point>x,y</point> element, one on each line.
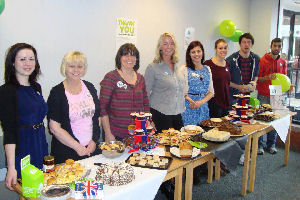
<point>139,132</point>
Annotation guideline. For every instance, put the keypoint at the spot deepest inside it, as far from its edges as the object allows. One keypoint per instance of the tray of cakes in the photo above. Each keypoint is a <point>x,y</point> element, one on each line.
<point>171,137</point>
<point>233,116</point>
<point>115,173</point>
<point>66,173</point>
<point>215,135</point>
<point>234,130</point>
<point>149,161</point>
<point>143,143</point>
<point>261,109</point>
<point>240,107</point>
<point>214,122</point>
<point>266,116</point>
<point>185,150</point>
<point>267,107</point>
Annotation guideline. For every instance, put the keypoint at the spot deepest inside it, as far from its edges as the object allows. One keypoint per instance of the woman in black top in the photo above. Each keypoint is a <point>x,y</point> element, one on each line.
<point>73,112</point>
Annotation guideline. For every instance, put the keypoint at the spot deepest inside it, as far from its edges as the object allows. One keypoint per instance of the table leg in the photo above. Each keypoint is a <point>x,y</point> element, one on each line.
<point>287,145</point>
<point>21,197</point>
<point>217,169</point>
<point>253,162</point>
<point>189,182</point>
<point>246,166</point>
<point>178,184</point>
<point>210,171</point>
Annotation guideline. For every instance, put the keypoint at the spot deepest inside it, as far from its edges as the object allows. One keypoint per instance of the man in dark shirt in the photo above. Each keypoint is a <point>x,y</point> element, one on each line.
<point>243,67</point>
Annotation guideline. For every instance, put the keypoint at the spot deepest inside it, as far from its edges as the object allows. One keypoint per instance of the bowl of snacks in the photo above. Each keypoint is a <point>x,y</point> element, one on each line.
<point>112,149</point>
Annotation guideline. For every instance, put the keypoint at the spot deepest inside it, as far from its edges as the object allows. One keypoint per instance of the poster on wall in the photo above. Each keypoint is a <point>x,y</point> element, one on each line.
<point>125,32</point>
<point>189,36</point>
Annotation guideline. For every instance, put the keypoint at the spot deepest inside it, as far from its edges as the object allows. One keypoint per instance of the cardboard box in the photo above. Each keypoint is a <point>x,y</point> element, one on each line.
<point>32,179</point>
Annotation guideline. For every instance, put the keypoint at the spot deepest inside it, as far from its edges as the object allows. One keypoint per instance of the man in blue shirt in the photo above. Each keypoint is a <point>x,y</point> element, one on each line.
<point>243,67</point>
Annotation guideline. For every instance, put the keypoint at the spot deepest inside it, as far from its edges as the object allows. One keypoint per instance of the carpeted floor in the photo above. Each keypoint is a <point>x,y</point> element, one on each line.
<point>273,181</point>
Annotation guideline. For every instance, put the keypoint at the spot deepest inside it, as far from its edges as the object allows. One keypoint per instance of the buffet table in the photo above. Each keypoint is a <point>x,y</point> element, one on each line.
<point>147,181</point>
<point>283,127</point>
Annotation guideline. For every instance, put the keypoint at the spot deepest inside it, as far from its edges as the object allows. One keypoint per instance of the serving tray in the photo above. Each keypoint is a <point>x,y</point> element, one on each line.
<point>151,167</point>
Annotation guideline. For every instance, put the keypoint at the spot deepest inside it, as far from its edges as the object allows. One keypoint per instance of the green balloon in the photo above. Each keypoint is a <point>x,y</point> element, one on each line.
<point>227,28</point>
<point>282,80</point>
<point>236,36</point>
<point>2,5</point>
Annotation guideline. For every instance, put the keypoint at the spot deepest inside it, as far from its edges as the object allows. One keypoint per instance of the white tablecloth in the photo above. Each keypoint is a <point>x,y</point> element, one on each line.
<point>281,125</point>
<point>145,185</point>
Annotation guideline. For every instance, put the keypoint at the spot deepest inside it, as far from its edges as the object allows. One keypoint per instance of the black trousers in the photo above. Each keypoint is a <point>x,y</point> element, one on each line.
<point>216,111</point>
<point>163,122</point>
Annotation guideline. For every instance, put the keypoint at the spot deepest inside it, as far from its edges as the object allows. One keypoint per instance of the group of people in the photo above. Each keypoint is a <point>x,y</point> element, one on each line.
<point>175,96</point>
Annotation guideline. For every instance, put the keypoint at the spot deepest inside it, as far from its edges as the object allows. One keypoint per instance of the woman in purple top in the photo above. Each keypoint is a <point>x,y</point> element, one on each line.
<point>122,92</point>
<point>218,105</point>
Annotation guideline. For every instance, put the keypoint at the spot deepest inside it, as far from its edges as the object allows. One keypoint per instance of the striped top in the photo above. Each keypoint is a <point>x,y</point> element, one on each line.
<point>246,69</point>
<point>118,99</point>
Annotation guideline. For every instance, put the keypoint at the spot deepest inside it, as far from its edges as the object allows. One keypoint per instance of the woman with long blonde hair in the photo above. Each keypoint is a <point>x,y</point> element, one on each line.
<point>165,85</point>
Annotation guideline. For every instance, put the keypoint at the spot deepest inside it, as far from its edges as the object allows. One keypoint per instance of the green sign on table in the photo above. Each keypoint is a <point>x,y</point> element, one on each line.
<point>32,178</point>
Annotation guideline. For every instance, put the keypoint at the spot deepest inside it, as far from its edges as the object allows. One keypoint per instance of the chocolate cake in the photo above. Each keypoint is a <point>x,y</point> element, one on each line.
<point>233,129</point>
<point>115,174</point>
<point>210,123</point>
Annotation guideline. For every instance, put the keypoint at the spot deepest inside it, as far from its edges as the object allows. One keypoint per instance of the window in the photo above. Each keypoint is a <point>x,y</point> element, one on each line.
<point>289,31</point>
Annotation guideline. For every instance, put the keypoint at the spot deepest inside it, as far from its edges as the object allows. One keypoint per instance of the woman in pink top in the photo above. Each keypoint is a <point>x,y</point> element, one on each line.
<point>73,112</point>
<point>123,91</point>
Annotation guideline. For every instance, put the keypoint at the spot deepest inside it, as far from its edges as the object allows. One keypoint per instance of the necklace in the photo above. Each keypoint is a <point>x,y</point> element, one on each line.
<point>129,78</point>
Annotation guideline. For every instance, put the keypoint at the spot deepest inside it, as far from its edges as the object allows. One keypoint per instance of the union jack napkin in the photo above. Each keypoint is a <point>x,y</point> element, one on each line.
<point>89,190</point>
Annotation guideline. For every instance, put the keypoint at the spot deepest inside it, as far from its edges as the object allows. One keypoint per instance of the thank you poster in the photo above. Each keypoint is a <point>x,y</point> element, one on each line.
<point>126,31</point>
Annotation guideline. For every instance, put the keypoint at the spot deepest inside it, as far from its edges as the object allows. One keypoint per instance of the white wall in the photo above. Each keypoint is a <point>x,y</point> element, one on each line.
<point>263,24</point>
<point>56,27</point>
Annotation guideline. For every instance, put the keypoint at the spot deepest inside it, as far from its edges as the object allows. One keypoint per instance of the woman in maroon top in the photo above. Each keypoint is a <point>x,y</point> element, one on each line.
<point>219,104</point>
<point>122,92</point>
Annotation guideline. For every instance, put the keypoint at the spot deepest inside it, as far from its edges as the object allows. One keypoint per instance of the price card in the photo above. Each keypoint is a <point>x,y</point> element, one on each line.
<point>275,89</point>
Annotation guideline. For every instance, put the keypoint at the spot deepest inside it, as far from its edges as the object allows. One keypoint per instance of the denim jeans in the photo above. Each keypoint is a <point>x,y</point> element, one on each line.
<point>272,135</point>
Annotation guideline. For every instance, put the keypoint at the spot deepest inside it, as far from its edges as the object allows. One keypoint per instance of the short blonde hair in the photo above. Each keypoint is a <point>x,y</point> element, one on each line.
<point>73,57</point>
<point>158,55</point>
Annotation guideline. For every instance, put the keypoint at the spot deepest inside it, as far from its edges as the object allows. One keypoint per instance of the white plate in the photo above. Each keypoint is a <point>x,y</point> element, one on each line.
<point>174,150</point>
<point>196,127</point>
<point>224,134</point>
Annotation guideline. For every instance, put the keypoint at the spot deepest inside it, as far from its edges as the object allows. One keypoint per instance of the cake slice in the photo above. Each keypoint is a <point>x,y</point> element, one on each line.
<point>185,149</point>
